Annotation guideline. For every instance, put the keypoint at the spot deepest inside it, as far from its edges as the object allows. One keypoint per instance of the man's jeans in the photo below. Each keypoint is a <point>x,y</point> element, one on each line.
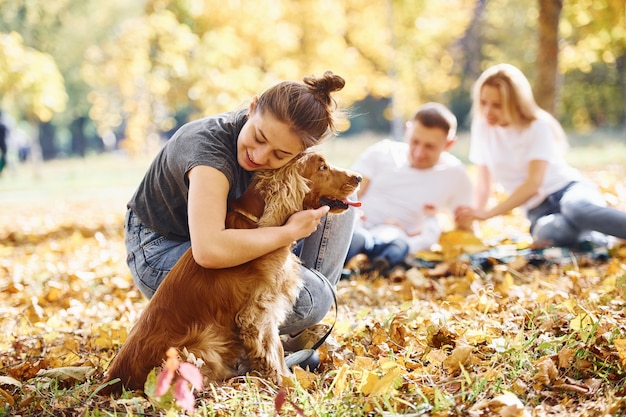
<point>393,251</point>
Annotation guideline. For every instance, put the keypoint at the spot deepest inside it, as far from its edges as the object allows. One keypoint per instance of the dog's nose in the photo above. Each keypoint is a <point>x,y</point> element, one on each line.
<point>358,178</point>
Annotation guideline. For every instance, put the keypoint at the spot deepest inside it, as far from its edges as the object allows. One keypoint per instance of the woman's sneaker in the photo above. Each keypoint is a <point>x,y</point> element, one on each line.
<point>307,359</point>
<point>299,348</point>
<point>307,338</point>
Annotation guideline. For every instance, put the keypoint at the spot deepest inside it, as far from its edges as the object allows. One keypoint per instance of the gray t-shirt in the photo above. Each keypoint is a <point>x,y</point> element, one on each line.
<point>161,198</point>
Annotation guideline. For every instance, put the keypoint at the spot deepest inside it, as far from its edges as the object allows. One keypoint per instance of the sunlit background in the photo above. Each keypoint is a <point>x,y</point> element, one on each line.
<point>83,76</point>
<point>91,89</point>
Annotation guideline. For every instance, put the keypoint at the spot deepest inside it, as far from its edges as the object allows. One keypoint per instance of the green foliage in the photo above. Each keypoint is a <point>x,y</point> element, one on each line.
<point>190,54</point>
<point>147,66</point>
<point>593,98</point>
<point>593,61</point>
<point>593,31</point>
<point>141,77</point>
<point>61,30</point>
<point>30,81</point>
<point>164,402</point>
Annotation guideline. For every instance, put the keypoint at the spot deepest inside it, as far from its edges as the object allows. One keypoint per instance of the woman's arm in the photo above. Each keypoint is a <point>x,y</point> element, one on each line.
<point>464,216</point>
<point>483,187</point>
<point>213,245</point>
<point>536,173</point>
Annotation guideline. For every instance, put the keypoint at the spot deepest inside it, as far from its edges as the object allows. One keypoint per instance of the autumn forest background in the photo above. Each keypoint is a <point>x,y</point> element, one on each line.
<point>90,91</point>
<point>81,77</point>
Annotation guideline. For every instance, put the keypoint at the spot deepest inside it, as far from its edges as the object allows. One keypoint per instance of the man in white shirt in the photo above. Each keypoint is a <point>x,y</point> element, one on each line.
<point>404,184</point>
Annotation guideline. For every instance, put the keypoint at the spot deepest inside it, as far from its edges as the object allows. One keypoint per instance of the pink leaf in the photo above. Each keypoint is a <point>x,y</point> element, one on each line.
<point>183,395</point>
<point>191,374</point>
<point>279,401</point>
<point>164,381</point>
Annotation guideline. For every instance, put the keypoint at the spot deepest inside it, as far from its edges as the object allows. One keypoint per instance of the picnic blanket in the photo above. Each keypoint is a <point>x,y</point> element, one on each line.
<point>458,246</point>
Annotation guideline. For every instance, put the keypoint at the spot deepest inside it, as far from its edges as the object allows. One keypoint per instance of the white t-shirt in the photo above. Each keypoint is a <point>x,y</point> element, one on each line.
<point>507,151</point>
<point>398,192</point>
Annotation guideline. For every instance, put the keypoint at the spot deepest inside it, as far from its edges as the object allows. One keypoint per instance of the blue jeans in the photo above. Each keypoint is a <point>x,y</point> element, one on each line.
<point>394,251</point>
<point>151,256</point>
<point>575,213</point>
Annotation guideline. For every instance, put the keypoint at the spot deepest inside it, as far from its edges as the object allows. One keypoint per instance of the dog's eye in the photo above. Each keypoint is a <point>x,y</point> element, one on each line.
<point>323,167</point>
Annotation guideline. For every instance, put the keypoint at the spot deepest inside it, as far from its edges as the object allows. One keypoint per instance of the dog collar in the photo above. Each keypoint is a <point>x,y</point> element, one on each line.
<point>254,219</point>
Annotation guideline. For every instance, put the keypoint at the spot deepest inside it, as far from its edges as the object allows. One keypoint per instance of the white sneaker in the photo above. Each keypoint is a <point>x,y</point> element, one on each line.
<point>307,338</point>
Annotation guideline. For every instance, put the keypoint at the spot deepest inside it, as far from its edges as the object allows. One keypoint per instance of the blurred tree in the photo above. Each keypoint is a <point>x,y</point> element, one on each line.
<point>167,61</point>
<point>467,52</point>
<point>30,81</point>
<point>424,34</point>
<point>547,54</point>
<point>210,65</point>
<point>499,31</point>
<point>589,81</point>
<point>64,29</point>
<point>593,59</point>
<point>141,78</point>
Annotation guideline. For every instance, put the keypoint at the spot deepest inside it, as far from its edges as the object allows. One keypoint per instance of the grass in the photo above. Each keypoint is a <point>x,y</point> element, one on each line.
<point>114,174</point>
<point>95,176</point>
<point>63,270</point>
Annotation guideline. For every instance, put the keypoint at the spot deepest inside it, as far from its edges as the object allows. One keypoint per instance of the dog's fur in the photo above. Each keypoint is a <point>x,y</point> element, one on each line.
<point>229,317</point>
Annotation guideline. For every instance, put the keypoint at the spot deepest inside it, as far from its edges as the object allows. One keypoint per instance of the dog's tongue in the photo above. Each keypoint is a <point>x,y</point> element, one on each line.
<point>352,203</point>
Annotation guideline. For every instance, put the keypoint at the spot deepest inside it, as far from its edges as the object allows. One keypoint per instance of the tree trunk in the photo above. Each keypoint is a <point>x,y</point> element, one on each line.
<point>46,140</point>
<point>79,140</point>
<point>468,52</point>
<point>621,70</point>
<point>548,54</point>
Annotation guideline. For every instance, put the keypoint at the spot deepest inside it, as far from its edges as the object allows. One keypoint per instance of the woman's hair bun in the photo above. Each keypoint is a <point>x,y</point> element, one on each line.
<point>323,86</point>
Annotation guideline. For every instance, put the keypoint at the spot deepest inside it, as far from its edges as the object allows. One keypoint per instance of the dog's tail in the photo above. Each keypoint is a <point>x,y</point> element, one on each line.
<point>214,346</point>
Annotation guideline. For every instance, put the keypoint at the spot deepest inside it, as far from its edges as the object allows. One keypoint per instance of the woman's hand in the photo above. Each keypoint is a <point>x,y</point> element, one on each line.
<point>303,223</point>
<point>394,222</point>
<point>466,214</point>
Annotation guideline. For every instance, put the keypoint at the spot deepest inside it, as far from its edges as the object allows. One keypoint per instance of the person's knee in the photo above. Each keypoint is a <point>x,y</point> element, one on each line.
<point>556,230</point>
<point>402,247</point>
<point>577,213</point>
<point>314,301</point>
<point>395,251</point>
<point>322,294</point>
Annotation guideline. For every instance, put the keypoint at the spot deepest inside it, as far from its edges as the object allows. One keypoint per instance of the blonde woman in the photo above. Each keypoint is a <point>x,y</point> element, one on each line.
<point>521,146</point>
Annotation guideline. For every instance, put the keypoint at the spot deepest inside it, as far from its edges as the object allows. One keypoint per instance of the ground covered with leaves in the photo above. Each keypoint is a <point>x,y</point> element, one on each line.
<point>507,335</point>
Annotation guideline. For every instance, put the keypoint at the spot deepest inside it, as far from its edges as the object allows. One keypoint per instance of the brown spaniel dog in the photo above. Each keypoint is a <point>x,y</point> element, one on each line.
<point>230,317</point>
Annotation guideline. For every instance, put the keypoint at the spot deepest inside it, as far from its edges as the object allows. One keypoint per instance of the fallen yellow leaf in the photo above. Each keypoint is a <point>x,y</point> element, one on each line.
<point>386,383</point>
<point>340,383</point>
<point>368,382</point>
<point>620,347</point>
<point>305,378</point>
<point>459,356</point>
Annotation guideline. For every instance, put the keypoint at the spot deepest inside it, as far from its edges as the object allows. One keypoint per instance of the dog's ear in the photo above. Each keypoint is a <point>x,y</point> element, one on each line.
<point>284,190</point>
